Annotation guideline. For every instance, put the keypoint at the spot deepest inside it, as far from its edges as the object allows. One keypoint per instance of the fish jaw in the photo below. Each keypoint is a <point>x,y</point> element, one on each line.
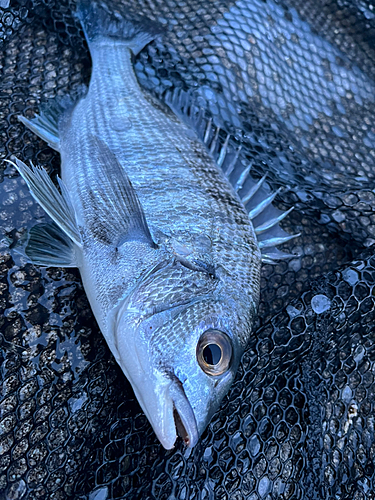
<point>206,396</point>
<point>159,392</point>
<point>168,410</point>
<point>184,416</point>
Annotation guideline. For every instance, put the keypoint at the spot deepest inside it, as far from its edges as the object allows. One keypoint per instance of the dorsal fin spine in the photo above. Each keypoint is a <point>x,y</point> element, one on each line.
<point>232,164</point>
<point>243,177</point>
<point>256,196</point>
<point>273,242</point>
<point>263,204</point>
<point>223,152</point>
<point>207,132</point>
<point>254,189</point>
<point>271,223</point>
<point>214,140</point>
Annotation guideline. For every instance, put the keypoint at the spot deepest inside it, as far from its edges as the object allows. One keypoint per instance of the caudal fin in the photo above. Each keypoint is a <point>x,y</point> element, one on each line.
<point>99,22</point>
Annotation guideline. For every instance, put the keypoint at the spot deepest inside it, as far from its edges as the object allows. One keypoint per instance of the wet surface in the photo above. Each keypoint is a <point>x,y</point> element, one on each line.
<point>298,422</point>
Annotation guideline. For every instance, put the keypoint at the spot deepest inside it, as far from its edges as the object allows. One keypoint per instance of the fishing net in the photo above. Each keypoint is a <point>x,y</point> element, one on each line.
<point>294,82</point>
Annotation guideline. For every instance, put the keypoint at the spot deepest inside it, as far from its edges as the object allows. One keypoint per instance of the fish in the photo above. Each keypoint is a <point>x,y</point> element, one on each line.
<point>165,223</point>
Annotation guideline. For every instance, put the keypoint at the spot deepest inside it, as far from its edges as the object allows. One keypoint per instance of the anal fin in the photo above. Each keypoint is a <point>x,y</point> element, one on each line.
<point>44,127</point>
<point>46,124</point>
<point>49,246</point>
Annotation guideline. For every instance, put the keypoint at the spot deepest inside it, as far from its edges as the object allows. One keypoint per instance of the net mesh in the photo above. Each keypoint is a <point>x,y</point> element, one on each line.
<point>294,82</point>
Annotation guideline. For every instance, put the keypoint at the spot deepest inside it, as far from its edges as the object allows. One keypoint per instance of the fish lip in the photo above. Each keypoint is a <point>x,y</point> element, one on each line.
<point>184,417</point>
<point>159,391</point>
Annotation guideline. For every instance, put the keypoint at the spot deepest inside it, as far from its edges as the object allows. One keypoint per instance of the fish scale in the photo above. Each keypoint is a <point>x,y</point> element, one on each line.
<point>149,135</point>
<point>151,170</point>
<point>127,462</point>
<point>194,282</point>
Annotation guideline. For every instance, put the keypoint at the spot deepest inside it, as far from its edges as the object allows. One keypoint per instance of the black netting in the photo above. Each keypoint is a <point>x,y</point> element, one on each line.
<point>295,82</point>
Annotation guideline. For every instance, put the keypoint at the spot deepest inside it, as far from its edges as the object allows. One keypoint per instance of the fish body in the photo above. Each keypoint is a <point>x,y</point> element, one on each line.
<point>167,252</point>
<point>186,199</point>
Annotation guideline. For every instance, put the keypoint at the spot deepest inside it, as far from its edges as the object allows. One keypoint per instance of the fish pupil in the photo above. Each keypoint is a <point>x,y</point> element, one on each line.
<point>212,354</point>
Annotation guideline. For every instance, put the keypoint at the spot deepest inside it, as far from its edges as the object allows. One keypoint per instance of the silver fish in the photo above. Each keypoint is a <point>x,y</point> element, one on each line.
<point>168,254</point>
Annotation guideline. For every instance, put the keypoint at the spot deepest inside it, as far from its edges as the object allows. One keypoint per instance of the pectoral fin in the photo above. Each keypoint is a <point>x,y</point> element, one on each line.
<point>117,201</point>
<point>58,206</point>
<point>49,246</point>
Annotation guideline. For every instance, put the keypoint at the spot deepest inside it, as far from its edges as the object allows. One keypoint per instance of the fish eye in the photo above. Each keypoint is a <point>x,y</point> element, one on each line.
<point>214,352</point>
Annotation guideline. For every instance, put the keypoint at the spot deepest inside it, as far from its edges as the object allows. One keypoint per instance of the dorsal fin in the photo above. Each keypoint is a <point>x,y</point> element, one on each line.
<point>256,195</point>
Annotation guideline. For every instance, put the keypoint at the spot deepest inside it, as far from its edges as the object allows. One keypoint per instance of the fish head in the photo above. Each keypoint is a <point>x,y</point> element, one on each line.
<point>181,353</point>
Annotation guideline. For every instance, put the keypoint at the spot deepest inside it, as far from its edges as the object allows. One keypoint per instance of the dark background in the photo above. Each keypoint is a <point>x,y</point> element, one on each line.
<point>299,420</point>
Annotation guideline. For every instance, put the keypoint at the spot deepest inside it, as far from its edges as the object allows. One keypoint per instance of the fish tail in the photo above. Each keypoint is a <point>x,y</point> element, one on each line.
<point>99,22</point>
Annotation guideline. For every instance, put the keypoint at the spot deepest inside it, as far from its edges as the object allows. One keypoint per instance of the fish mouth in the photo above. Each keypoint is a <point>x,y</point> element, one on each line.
<point>181,431</point>
<point>168,411</point>
<point>184,417</point>
<point>159,392</point>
